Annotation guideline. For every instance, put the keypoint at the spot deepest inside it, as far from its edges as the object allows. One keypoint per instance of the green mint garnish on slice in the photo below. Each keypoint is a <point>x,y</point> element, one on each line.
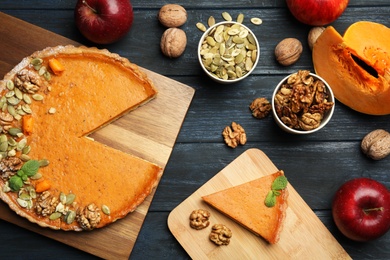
<point>270,200</point>
<point>278,184</point>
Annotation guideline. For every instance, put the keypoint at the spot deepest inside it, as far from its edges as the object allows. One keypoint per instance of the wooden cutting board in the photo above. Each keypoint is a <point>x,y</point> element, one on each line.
<point>158,124</point>
<point>303,236</point>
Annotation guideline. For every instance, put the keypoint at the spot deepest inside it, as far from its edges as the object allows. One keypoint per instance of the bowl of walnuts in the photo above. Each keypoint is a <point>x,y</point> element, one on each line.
<point>228,52</point>
<point>302,103</point>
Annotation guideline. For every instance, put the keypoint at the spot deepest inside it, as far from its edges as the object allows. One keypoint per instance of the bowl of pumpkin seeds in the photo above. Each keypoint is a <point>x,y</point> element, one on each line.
<point>228,52</point>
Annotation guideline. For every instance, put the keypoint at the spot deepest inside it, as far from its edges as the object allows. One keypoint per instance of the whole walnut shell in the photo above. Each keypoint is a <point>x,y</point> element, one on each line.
<point>173,42</point>
<point>172,15</point>
<point>313,35</point>
<point>288,51</point>
<point>376,144</point>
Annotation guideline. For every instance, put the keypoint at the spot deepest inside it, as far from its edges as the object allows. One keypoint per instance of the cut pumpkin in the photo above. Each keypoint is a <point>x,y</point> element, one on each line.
<point>356,66</point>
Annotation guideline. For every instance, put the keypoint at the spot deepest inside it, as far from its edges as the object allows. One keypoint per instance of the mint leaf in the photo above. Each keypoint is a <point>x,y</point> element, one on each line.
<point>15,183</point>
<point>30,168</point>
<point>279,183</point>
<point>270,200</point>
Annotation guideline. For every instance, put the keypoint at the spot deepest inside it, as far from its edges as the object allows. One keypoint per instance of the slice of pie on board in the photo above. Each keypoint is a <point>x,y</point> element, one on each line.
<point>245,204</point>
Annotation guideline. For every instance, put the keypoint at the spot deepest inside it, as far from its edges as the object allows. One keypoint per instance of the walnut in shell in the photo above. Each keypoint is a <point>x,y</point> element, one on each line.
<point>313,35</point>
<point>173,42</point>
<point>288,51</point>
<point>376,144</point>
<point>172,15</point>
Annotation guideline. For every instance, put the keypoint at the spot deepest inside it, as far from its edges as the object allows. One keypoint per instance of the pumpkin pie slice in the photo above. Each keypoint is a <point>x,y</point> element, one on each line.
<point>50,172</point>
<point>245,204</point>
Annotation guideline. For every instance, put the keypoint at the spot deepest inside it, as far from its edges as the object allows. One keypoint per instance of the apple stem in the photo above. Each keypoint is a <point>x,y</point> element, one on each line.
<point>85,2</point>
<point>372,209</point>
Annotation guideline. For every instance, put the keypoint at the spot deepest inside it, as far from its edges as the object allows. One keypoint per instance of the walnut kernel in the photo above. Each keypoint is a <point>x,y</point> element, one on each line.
<point>288,51</point>
<point>220,234</point>
<point>376,144</point>
<point>88,217</point>
<point>260,107</point>
<point>172,15</point>
<point>234,135</point>
<point>199,219</point>
<point>173,42</point>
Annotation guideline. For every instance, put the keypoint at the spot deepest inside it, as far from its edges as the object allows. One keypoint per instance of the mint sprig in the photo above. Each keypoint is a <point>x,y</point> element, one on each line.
<point>29,169</point>
<point>278,184</point>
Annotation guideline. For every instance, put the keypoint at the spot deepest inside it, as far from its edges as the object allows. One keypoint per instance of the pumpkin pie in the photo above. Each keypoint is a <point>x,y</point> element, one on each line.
<point>246,205</point>
<point>50,172</point>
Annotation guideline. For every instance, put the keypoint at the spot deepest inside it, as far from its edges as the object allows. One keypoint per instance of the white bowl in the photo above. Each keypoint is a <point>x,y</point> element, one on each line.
<point>326,117</point>
<point>212,75</point>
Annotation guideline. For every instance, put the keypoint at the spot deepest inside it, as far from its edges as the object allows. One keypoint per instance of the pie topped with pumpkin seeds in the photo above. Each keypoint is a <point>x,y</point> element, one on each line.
<point>50,173</point>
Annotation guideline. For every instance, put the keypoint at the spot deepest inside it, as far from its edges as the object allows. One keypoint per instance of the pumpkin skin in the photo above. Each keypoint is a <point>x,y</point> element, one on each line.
<point>356,66</point>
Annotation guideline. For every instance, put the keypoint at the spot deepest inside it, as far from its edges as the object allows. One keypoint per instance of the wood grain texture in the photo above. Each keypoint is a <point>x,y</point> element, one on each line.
<point>148,132</point>
<point>303,236</point>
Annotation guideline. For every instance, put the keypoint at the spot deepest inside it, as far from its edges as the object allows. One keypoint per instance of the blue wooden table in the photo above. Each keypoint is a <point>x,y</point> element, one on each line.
<point>316,164</point>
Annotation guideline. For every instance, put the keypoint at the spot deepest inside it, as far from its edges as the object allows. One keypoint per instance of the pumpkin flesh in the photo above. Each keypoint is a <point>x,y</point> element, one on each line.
<point>356,66</point>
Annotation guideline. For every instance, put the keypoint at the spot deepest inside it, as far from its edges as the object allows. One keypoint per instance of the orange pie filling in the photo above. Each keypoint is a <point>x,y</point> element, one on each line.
<point>50,172</point>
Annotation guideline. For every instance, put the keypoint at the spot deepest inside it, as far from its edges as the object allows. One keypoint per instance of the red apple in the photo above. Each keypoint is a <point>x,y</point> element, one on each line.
<point>103,21</point>
<point>361,209</point>
<point>317,12</point>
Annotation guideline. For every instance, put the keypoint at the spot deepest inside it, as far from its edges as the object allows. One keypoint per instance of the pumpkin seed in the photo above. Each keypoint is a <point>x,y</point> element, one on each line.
<point>24,196</point>
<point>26,98</point>
<point>10,85</point>
<point>18,93</point>
<point>4,107</point>
<point>106,209</point>
<point>12,142</point>
<point>21,144</point>
<point>32,192</point>
<point>22,203</point>
<point>70,217</point>
<point>37,97</point>
<point>36,61</point>
<point>26,150</point>
<point>201,27</point>
<point>70,198</point>
<point>226,16</point>
<point>43,162</point>
<point>55,215</point>
<point>256,21</point>
<point>42,71</point>
<point>3,146</point>
<point>14,131</point>
<point>60,207</point>
<point>9,94</point>
<point>13,101</point>
<point>26,108</point>
<point>36,176</point>
<point>240,18</point>
<point>3,138</point>
<point>6,187</point>
<point>62,198</point>
<point>47,75</point>
<point>211,21</point>
<point>24,157</point>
